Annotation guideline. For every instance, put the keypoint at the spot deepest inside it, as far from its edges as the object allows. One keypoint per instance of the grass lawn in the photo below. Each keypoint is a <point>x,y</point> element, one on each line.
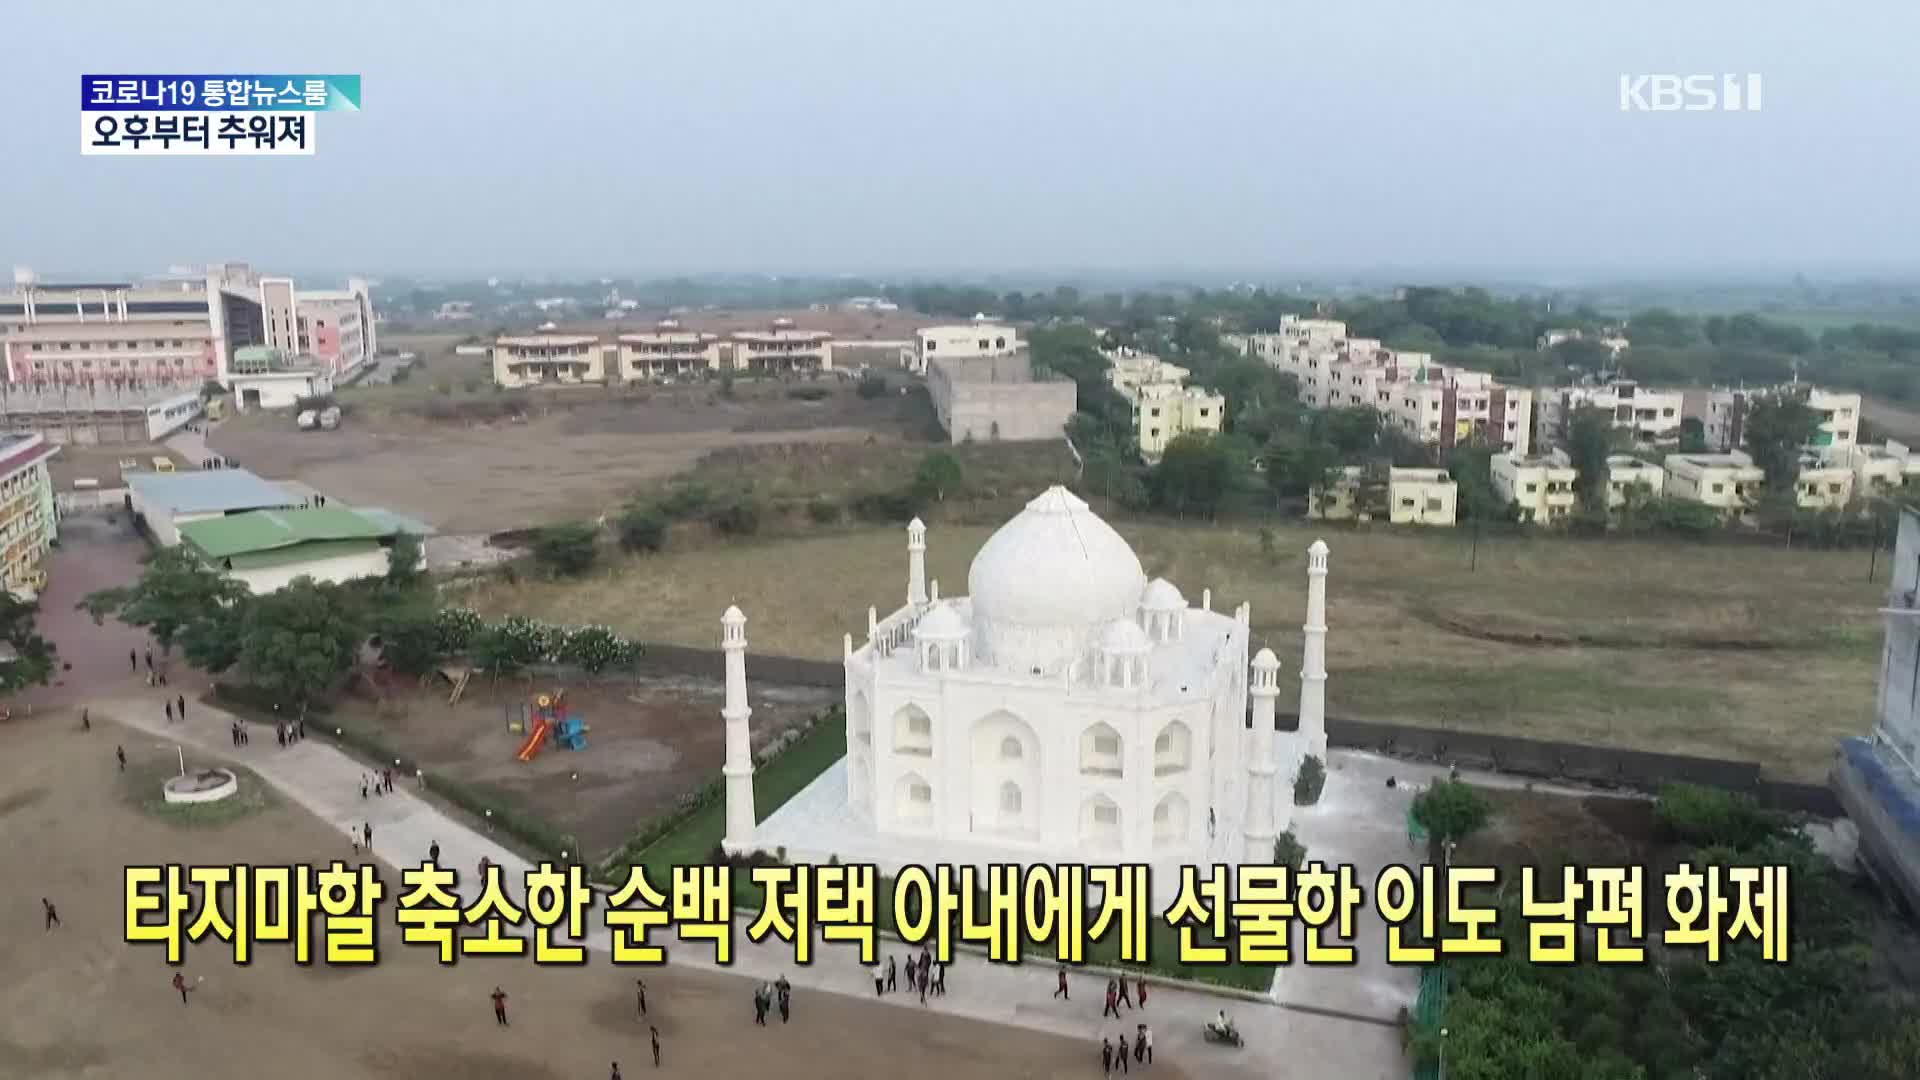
<point>1404,611</point>
<point>140,786</point>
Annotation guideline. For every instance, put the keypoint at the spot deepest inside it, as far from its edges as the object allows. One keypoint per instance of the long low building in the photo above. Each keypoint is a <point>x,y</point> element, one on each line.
<point>167,501</point>
<point>102,412</point>
<point>267,550</point>
<point>669,351</point>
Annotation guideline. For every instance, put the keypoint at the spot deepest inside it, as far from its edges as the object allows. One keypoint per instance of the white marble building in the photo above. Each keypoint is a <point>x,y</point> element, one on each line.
<point>1066,710</point>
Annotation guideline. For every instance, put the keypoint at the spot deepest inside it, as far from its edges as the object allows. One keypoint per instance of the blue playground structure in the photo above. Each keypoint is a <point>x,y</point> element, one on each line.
<point>571,733</point>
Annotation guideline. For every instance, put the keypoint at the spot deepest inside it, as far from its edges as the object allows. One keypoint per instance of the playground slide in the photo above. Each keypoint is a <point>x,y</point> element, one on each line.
<point>536,739</point>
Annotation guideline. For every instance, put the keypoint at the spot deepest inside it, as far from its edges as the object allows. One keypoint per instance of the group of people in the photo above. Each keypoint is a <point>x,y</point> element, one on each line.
<point>763,998</point>
<point>1117,1057</point>
<point>155,676</point>
<point>379,783</point>
<point>922,975</point>
<point>176,709</point>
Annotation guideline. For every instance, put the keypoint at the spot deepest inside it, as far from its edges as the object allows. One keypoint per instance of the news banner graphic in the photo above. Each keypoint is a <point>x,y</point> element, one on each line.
<point>1222,915</point>
<point>208,115</point>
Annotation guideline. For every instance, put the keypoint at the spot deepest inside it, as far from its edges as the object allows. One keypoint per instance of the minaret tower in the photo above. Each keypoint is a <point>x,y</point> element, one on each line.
<point>916,563</point>
<point>738,769</point>
<point>1313,661</point>
<point>1259,831</point>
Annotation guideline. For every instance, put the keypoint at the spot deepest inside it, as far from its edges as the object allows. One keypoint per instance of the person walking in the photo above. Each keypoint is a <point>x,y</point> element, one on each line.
<point>499,1000</point>
<point>366,834</point>
<point>1106,1057</point>
<point>1120,1053</point>
<point>121,753</point>
<point>86,720</point>
<point>1141,983</point>
<point>1125,998</point>
<point>615,1074</point>
<point>1112,1007</point>
<point>133,662</point>
<point>940,980</point>
<point>180,706</point>
<point>785,990</point>
<point>169,707</point>
<point>760,1005</point>
<point>654,1034</point>
<point>180,984</point>
<point>433,856</point>
<point>53,915</point>
<point>1060,991</point>
<point>640,993</point>
<point>893,974</point>
<point>1143,1044</point>
<point>149,659</point>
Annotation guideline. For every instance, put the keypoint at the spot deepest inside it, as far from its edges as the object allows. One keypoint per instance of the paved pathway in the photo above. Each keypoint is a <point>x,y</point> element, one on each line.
<point>1282,1042</point>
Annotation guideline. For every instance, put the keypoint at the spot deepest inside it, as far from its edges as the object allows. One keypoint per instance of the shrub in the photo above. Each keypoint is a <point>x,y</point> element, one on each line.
<point>938,476</point>
<point>684,501</point>
<point>1289,851</point>
<point>823,511</point>
<point>454,629</point>
<point>1310,780</point>
<point>593,649</point>
<point>810,393</point>
<point>884,506</point>
<point>1710,817</point>
<point>566,550</point>
<point>737,517</point>
<point>871,386</point>
<point>642,529</point>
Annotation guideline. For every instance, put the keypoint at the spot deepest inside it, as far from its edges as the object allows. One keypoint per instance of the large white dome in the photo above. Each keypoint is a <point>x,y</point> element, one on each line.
<point>1047,581</point>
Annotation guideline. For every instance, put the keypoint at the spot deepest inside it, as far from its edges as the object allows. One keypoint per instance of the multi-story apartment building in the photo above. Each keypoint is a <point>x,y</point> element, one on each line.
<point>1540,487</point>
<point>1456,408</point>
<point>977,338</point>
<point>27,518</point>
<point>1625,473</point>
<point>1653,416</point>
<point>667,352</point>
<point>550,358</point>
<point>1164,407</point>
<point>1728,482</point>
<point>181,329</point>
<point>1722,415</point>
<point>1612,340</point>
<point>1823,485</point>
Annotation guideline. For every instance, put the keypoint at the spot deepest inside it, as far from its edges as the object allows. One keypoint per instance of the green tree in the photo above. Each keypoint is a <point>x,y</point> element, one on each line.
<point>32,658</point>
<point>566,550</point>
<point>494,650</point>
<point>1194,475</point>
<point>1777,427</point>
<point>406,569</point>
<point>409,638</point>
<point>1351,431</point>
<point>938,475</point>
<point>299,640</point>
<point>1589,442</point>
<point>642,528</point>
<point>175,590</point>
<point>1451,810</point>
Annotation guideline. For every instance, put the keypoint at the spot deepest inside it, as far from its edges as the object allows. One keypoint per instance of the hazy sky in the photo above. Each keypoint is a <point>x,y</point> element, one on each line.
<point>634,136</point>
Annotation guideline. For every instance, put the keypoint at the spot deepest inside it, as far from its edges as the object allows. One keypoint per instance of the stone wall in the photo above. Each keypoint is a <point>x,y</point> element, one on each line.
<point>1573,762</point>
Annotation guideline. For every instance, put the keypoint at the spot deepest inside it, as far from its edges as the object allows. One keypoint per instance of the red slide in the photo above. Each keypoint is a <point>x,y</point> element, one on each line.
<point>536,739</point>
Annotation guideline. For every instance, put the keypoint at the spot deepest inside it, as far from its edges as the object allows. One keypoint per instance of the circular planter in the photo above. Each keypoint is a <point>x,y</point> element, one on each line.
<point>204,786</point>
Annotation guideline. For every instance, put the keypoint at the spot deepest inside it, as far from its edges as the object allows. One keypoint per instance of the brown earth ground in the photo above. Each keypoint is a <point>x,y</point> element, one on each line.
<point>79,1003</point>
<point>447,447</point>
<point>648,742</point>
<point>1738,651</point>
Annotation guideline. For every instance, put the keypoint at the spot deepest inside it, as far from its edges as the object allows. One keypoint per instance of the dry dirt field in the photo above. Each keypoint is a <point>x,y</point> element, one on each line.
<point>648,743</point>
<point>1633,645</point>
<point>79,1004</point>
<point>579,453</point>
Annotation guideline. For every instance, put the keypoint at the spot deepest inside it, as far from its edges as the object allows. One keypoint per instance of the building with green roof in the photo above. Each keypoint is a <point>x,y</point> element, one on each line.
<point>267,549</point>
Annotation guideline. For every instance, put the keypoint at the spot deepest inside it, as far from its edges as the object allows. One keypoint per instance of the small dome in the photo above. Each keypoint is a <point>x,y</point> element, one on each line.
<point>733,615</point>
<point>1162,595</point>
<point>1266,661</point>
<point>941,623</point>
<point>1123,637</point>
<point>1043,585</point>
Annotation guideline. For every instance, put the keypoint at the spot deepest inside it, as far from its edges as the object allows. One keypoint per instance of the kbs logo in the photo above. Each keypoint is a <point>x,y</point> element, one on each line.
<point>1689,93</point>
